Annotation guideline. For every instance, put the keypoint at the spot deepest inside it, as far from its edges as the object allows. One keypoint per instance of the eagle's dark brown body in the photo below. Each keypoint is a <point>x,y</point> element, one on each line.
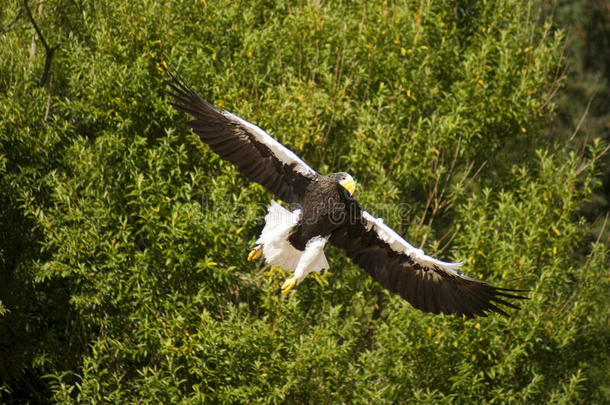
<point>327,206</point>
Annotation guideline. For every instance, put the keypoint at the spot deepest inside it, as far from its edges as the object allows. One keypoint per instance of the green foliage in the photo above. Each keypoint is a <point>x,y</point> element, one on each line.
<point>123,239</point>
<point>582,104</point>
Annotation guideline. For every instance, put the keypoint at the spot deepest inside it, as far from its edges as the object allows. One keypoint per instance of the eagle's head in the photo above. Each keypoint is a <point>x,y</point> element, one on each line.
<point>345,180</point>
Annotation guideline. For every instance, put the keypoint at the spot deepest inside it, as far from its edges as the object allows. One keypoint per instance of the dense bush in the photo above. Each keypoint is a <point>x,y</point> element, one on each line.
<point>123,239</point>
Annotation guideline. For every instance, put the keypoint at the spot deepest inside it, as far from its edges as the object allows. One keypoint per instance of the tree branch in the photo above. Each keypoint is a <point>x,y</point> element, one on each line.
<point>48,50</point>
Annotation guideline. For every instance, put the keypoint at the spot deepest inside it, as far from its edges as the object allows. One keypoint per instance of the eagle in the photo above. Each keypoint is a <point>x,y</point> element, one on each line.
<point>323,210</point>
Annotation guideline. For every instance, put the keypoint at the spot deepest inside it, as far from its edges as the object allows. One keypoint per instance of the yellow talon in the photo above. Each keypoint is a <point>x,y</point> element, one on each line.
<point>288,285</point>
<point>255,253</point>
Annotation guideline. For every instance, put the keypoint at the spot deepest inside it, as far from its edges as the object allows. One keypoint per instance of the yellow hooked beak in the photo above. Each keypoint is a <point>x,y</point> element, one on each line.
<point>349,185</point>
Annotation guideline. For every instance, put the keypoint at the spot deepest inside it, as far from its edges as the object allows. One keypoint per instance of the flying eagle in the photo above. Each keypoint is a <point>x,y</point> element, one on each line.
<point>328,212</point>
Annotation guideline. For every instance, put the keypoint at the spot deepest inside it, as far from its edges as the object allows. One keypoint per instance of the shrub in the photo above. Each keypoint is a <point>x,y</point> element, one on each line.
<point>123,239</point>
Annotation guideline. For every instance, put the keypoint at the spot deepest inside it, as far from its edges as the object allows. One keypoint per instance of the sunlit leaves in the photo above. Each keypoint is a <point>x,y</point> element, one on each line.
<point>124,239</point>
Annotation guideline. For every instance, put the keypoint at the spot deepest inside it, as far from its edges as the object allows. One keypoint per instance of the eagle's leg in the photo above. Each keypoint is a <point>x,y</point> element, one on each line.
<point>312,259</point>
<point>288,284</point>
<point>255,253</point>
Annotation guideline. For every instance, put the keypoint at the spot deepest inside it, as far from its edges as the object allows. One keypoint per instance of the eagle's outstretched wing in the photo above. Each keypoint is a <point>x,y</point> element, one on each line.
<point>257,155</point>
<point>426,283</point>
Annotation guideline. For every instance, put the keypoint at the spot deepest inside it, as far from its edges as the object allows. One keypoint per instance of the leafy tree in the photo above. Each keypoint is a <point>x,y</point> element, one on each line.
<point>123,239</point>
<point>582,111</point>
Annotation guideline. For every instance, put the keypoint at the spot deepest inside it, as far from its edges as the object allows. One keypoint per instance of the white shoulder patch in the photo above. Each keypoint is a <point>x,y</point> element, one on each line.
<point>280,151</point>
<point>398,244</point>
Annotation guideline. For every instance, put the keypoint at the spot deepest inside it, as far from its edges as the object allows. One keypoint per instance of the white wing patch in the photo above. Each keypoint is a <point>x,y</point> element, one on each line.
<point>283,153</point>
<point>398,244</point>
